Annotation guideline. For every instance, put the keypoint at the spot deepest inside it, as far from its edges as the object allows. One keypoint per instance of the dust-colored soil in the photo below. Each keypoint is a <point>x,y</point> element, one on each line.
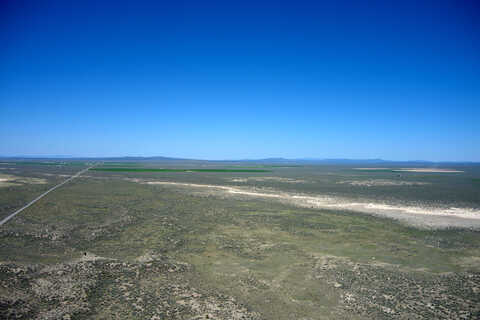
<point>432,170</point>
<point>102,288</point>
<point>266,179</point>
<point>419,216</point>
<point>382,182</point>
<point>7,180</point>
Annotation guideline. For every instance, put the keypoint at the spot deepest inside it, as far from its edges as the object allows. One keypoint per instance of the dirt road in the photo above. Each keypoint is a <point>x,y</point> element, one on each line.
<point>6,219</point>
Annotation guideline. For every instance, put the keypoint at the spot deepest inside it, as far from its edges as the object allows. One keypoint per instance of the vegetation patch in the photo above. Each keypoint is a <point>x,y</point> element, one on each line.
<point>122,164</point>
<point>266,166</point>
<point>102,247</point>
<point>49,163</point>
<point>173,170</point>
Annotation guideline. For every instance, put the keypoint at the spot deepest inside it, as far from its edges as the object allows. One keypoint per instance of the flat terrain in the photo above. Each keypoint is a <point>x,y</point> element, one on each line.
<point>201,240</point>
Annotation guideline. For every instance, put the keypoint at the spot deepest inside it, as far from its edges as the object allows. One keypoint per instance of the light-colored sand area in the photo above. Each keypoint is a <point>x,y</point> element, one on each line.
<point>419,216</point>
<point>433,170</point>
<point>266,179</point>
<point>382,182</point>
<point>56,175</point>
<point>7,180</point>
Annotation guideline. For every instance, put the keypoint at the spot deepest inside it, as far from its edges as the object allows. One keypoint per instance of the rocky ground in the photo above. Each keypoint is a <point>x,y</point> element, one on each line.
<point>154,288</point>
<point>381,291</point>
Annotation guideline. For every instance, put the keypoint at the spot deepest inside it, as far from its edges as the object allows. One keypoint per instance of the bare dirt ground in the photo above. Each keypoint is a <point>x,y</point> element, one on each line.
<point>263,179</point>
<point>373,169</point>
<point>7,180</point>
<point>382,182</point>
<point>415,215</point>
<point>67,289</point>
<point>432,170</point>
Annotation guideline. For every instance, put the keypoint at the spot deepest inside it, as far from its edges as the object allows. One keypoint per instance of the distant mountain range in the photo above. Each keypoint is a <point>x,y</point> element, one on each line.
<point>305,161</point>
<point>353,161</point>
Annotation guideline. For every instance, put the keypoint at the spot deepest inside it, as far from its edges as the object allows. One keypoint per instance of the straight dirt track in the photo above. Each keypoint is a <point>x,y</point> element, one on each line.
<point>6,219</point>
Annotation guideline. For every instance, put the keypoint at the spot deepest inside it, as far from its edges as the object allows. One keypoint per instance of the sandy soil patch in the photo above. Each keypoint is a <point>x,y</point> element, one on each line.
<point>264,179</point>
<point>415,215</point>
<point>148,256</point>
<point>382,182</point>
<point>470,262</point>
<point>7,180</point>
<point>433,170</point>
<point>56,175</point>
<point>88,256</point>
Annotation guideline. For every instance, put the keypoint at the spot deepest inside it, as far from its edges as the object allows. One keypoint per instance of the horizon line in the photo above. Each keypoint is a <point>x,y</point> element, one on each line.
<point>311,159</point>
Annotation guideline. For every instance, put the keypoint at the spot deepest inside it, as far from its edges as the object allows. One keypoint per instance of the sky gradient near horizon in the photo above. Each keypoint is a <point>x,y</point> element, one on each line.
<point>241,79</point>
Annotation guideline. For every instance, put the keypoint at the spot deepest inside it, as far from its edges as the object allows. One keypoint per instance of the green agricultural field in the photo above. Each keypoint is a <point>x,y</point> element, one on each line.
<point>218,244</point>
<point>121,164</point>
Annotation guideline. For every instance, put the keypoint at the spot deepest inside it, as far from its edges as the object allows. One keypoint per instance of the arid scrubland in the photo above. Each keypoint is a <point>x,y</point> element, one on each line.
<point>217,245</point>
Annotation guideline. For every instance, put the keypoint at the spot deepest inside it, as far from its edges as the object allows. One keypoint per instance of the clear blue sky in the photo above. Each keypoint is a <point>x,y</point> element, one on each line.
<point>240,79</point>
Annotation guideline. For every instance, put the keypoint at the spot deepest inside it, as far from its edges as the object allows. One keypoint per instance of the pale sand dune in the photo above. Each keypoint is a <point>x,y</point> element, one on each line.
<point>434,170</point>
<point>382,182</point>
<point>56,175</point>
<point>267,179</point>
<point>7,180</point>
<point>426,217</point>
